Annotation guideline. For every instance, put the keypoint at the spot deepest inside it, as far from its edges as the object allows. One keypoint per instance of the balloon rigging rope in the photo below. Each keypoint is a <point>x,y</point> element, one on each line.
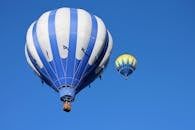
<point>53,82</point>
<point>77,70</point>
<point>36,43</point>
<point>55,71</point>
<point>73,72</point>
<point>47,75</point>
<point>66,67</point>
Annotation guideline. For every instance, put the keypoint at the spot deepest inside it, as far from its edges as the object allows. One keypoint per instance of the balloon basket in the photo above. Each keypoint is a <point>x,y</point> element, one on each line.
<point>67,106</point>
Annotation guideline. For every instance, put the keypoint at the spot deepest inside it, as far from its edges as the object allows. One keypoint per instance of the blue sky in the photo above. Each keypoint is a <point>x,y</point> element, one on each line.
<point>158,96</point>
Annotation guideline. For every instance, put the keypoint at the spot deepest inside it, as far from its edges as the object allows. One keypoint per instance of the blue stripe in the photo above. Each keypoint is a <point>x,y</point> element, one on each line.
<point>96,64</point>
<point>72,45</point>
<point>126,70</point>
<point>63,80</point>
<point>90,75</point>
<point>33,61</point>
<point>82,68</point>
<point>76,68</point>
<point>42,72</point>
<point>46,64</point>
<point>54,46</point>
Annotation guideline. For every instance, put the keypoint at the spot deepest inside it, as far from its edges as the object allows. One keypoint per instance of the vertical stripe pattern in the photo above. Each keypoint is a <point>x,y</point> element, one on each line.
<point>126,64</point>
<point>54,46</point>
<point>72,46</point>
<point>69,62</point>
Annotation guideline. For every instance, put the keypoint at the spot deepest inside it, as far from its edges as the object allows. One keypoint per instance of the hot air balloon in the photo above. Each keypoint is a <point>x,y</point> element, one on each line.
<point>68,49</point>
<point>126,64</point>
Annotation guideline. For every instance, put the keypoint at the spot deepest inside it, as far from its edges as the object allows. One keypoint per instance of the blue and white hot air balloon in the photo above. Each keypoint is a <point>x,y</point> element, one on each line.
<point>68,49</point>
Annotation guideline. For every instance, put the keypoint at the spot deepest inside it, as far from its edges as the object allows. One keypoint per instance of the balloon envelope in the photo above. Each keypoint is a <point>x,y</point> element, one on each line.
<point>68,48</point>
<point>126,64</point>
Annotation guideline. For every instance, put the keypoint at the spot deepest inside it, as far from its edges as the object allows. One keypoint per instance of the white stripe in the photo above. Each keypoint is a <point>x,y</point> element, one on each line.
<point>100,41</point>
<point>108,52</point>
<point>62,25</point>
<point>83,32</point>
<point>29,61</point>
<point>43,36</point>
<point>31,47</point>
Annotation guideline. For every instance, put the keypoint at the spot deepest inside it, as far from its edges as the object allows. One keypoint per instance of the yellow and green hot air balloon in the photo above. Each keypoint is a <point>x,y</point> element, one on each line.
<point>126,64</point>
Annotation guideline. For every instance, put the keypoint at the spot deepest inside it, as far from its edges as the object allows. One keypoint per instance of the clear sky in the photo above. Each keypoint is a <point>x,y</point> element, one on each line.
<point>160,95</point>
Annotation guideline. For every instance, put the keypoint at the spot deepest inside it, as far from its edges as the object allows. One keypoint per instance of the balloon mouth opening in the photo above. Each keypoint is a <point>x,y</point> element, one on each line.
<point>68,98</point>
<point>67,93</point>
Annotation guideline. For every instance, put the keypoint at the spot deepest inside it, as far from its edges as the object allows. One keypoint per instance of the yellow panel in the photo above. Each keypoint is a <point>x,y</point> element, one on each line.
<point>125,58</point>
